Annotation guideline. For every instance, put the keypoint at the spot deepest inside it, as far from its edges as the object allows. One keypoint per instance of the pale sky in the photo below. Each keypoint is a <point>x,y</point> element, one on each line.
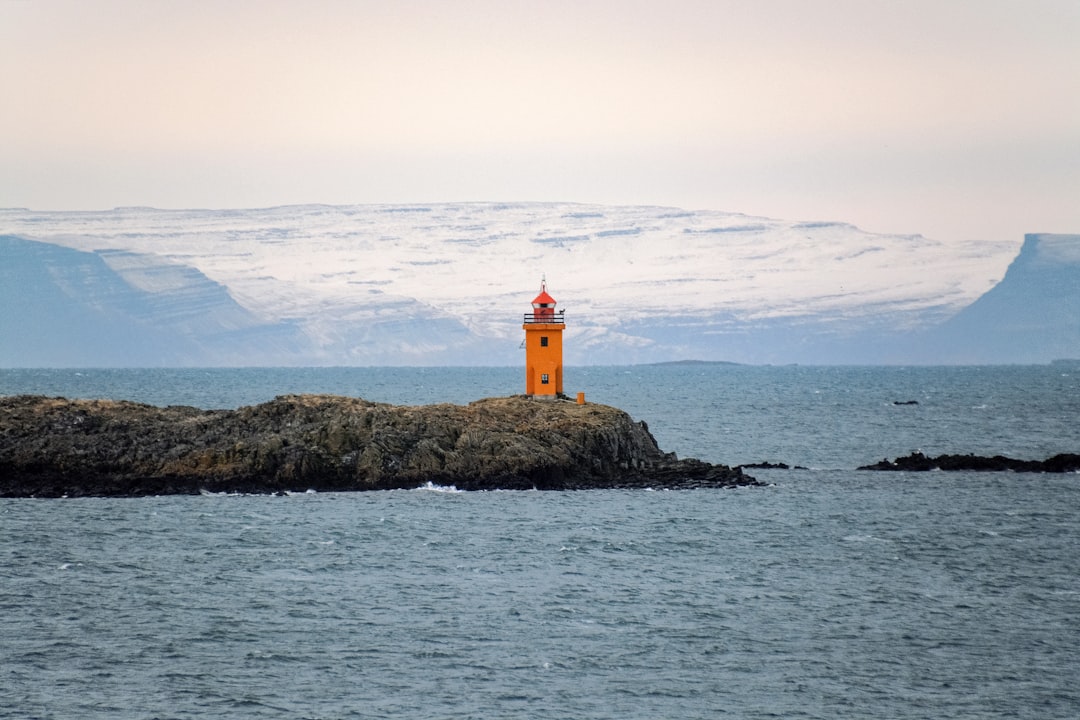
<point>957,119</point>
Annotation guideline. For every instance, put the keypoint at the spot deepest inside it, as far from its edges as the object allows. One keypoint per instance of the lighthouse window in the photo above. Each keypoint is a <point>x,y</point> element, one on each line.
<point>543,341</point>
<point>544,379</point>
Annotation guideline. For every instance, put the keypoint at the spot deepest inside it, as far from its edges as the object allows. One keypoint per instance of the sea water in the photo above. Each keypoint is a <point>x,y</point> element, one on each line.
<point>829,593</point>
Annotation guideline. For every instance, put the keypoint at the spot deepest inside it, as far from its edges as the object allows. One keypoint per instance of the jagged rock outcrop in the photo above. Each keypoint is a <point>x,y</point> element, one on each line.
<point>1065,462</point>
<point>51,447</point>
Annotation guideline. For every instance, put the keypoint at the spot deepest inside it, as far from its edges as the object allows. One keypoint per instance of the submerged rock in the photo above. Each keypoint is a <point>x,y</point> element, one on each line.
<point>50,447</point>
<point>766,465</point>
<point>916,461</point>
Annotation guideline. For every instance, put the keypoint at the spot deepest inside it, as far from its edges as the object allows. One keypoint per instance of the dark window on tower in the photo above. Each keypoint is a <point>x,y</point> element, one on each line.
<point>543,341</point>
<point>544,379</point>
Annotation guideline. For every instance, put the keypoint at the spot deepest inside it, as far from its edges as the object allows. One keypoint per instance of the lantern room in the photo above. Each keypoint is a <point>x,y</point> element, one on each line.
<point>543,304</point>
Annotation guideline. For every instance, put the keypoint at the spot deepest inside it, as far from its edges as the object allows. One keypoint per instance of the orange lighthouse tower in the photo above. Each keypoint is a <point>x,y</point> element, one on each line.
<point>543,347</point>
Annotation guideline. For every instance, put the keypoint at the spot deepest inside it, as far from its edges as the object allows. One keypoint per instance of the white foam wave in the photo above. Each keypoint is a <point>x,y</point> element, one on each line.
<point>432,487</point>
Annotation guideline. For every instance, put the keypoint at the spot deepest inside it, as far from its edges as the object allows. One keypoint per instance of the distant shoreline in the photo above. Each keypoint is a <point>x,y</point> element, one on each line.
<point>692,362</point>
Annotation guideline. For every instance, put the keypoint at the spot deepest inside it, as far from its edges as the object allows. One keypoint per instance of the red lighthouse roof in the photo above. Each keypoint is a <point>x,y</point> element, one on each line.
<point>544,309</point>
<point>543,299</point>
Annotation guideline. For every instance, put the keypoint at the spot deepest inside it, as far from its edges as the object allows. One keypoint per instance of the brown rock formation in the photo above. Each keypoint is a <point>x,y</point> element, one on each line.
<point>50,447</point>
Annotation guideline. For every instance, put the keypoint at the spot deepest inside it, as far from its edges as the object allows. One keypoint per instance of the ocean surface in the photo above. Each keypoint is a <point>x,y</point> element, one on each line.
<point>829,593</point>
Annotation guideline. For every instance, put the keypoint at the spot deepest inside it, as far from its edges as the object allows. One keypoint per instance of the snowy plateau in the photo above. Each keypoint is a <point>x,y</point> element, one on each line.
<point>447,284</point>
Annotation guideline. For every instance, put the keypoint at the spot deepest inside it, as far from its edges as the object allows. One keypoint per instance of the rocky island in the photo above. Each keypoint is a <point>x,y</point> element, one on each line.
<point>918,462</point>
<point>54,447</point>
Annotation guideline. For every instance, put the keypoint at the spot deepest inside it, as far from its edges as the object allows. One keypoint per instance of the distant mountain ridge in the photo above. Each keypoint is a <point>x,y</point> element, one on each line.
<point>446,284</point>
<point>64,307</point>
<point>1031,316</point>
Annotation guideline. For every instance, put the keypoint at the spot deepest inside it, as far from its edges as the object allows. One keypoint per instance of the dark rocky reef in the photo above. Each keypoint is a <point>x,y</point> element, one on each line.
<point>1063,463</point>
<point>767,465</point>
<point>52,447</point>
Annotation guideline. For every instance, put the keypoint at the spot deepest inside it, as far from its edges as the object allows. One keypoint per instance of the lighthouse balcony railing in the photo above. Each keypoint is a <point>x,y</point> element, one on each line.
<point>550,318</point>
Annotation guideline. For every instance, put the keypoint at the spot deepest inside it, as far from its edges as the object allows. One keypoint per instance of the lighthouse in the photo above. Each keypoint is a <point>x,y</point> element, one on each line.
<point>543,347</point>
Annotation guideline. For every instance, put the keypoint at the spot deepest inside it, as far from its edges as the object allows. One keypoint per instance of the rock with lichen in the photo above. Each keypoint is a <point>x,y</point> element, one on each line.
<point>51,447</point>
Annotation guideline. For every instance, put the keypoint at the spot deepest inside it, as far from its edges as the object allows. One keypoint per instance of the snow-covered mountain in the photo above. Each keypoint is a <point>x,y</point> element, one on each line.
<point>1031,316</point>
<point>114,308</point>
<point>448,283</point>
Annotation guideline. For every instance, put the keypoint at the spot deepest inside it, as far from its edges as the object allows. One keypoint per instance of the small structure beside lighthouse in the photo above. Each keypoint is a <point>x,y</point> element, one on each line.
<point>543,347</point>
